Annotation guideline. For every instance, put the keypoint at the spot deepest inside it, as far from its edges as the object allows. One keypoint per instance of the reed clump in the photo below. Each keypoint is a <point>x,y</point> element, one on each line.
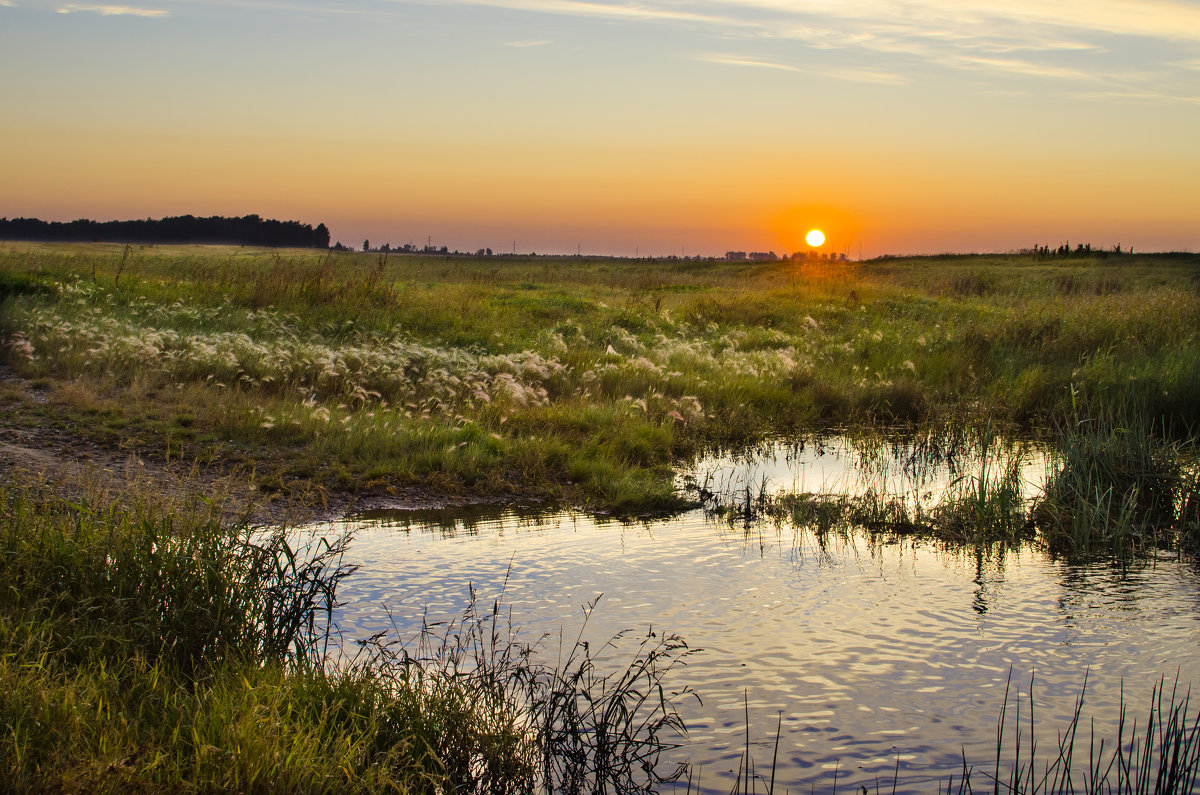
<point>1120,486</point>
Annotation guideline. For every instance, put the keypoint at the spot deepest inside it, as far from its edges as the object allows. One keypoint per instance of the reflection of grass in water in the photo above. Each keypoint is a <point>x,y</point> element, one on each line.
<point>1115,489</point>
<point>983,499</point>
<point>154,648</point>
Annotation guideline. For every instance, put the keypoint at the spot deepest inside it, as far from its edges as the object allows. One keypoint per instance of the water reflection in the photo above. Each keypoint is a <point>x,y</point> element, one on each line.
<point>451,522</point>
<point>919,472</point>
<point>872,653</point>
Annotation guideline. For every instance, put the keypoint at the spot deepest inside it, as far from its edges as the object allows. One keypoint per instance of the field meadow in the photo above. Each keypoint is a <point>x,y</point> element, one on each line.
<point>576,380</point>
<point>147,642</point>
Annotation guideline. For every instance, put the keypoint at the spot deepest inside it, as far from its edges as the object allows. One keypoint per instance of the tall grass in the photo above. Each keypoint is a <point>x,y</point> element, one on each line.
<point>150,650</point>
<point>1115,489</point>
<point>988,505</point>
<point>179,592</point>
<point>1156,754</point>
<point>1120,486</point>
<point>597,720</point>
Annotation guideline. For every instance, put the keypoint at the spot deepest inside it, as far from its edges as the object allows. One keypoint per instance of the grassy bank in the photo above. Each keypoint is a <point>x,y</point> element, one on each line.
<point>576,380</point>
<point>151,648</point>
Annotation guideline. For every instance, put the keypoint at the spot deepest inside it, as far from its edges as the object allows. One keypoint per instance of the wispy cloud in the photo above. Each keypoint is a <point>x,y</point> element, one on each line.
<point>1168,19</point>
<point>853,75</point>
<point>736,60</point>
<point>1064,40</point>
<point>1111,46</point>
<point>112,11</point>
<point>867,76</point>
<point>650,11</point>
<point>1145,96</point>
<point>1020,67</point>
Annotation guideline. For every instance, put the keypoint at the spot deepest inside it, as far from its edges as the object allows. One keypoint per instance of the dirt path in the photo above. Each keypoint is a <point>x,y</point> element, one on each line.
<point>35,452</point>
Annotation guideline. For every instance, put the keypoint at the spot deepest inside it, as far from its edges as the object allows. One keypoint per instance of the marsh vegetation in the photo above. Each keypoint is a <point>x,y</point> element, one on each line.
<point>154,645</point>
<point>575,380</point>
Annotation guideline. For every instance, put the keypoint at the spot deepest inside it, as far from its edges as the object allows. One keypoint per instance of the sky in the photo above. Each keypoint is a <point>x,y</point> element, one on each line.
<point>616,127</point>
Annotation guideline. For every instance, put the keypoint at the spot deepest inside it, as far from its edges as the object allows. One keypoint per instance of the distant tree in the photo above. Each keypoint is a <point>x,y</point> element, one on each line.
<point>366,245</point>
<point>247,230</point>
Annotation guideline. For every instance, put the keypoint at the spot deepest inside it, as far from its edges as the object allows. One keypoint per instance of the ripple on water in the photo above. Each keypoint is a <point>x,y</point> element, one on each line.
<point>874,655</point>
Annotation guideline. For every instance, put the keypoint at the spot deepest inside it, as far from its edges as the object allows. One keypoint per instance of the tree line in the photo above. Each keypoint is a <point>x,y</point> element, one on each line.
<point>249,230</point>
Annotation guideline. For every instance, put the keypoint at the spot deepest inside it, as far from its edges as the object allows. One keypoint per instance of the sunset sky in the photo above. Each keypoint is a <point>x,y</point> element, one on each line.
<point>657,127</point>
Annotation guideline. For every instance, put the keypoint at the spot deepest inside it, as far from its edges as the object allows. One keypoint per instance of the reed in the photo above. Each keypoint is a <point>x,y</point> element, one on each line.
<point>988,505</point>
<point>1156,754</point>
<point>1160,753</point>
<point>1121,486</point>
<point>1112,489</point>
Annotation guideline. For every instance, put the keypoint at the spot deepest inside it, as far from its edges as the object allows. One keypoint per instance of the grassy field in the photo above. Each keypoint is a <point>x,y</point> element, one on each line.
<point>579,381</point>
<point>147,643</point>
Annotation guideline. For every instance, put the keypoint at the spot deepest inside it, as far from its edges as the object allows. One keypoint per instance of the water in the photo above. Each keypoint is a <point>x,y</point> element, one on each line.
<point>919,473</point>
<point>874,655</point>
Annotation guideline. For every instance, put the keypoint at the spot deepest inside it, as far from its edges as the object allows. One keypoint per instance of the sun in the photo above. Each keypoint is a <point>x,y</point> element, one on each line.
<point>815,238</point>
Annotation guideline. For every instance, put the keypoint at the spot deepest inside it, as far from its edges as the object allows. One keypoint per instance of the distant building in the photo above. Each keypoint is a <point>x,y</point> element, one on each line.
<point>735,256</point>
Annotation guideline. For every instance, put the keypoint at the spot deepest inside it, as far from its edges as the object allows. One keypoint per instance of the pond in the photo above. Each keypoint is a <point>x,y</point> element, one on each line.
<point>883,658</point>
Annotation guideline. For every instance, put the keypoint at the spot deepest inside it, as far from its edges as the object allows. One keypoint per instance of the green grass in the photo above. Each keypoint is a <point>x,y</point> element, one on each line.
<point>1119,487</point>
<point>575,380</point>
<point>146,647</point>
<point>1098,489</point>
<point>152,648</point>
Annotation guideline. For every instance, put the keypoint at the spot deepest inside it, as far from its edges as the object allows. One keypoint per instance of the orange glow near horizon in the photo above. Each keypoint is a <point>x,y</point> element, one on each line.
<point>618,199</point>
<point>797,227</point>
<point>419,121</point>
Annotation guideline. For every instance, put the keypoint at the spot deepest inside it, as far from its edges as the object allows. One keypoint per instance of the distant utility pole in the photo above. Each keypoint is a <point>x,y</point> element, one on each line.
<point>514,247</point>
